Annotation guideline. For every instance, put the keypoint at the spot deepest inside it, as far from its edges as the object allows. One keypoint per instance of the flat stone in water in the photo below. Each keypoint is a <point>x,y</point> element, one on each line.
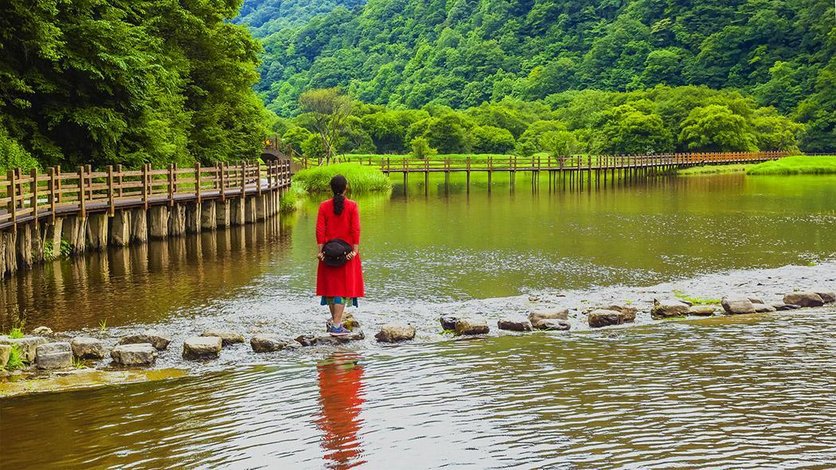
<point>701,310</point>
<point>668,309</point>
<point>227,337</point>
<point>448,322</point>
<point>54,356</point>
<point>328,340</point>
<point>628,312</point>
<point>134,354</point>
<point>781,306</point>
<point>395,333</point>
<point>87,348</point>
<point>202,347</point>
<point>763,308</point>
<point>28,346</point>
<point>737,305</point>
<point>827,297</point>
<point>552,314</point>
<point>601,317</point>
<point>153,338</point>
<point>804,299</point>
<point>553,325</point>
<point>514,325</point>
<point>267,343</point>
<point>472,326</point>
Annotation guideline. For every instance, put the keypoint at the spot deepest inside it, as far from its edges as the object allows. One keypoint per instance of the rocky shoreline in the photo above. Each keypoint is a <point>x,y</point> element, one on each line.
<point>48,355</point>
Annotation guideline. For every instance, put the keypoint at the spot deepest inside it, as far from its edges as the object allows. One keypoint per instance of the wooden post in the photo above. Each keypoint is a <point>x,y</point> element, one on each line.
<point>111,211</point>
<point>145,186</point>
<point>51,194</point>
<point>221,181</point>
<point>12,204</point>
<point>243,178</point>
<point>174,178</point>
<point>120,179</point>
<point>82,211</point>
<point>33,188</point>
<point>170,184</point>
<point>197,182</point>
<point>258,179</point>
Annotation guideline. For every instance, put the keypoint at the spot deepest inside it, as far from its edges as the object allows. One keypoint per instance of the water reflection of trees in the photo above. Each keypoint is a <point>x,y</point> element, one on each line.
<point>142,283</point>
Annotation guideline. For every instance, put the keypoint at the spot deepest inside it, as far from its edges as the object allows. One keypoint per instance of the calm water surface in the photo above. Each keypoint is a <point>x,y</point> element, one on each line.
<point>741,392</point>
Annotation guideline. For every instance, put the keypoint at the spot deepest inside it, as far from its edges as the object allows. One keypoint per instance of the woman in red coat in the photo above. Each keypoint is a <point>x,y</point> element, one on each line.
<point>339,218</point>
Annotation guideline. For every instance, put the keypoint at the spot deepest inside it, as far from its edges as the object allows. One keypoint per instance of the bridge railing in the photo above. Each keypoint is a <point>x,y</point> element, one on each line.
<point>34,195</point>
<point>569,162</point>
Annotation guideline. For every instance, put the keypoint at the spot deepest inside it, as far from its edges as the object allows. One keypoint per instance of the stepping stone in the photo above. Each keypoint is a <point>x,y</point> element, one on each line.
<point>54,356</point>
<point>553,325</point>
<point>227,337</point>
<point>87,348</point>
<point>267,343</point>
<point>781,306</point>
<point>28,346</point>
<point>737,305</point>
<point>629,312</point>
<point>668,309</point>
<point>554,314</point>
<point>448,322</point>
<point>804,299</point>
<point>763,308</point>
<point>472,326</point>
<point>350,323</point>
<point>328,340</point>
<point>514,325</point>
<point>395,333</point>
<point>151,337</point>
<point>202,347</point>
<point>133,355</point>
<point>827,297</point>
<point>701,310</point>
<point>602,317</point>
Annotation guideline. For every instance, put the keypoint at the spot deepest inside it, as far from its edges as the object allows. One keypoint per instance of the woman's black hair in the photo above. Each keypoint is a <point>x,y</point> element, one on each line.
<point>338,185</point>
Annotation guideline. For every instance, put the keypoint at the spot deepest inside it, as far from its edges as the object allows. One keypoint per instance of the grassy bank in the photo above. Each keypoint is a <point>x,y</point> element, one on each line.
<point>316,180</point>
<point>715,169</point>
<point>800,165</point>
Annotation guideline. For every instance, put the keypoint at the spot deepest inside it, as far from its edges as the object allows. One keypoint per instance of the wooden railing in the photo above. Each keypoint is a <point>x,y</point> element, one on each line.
<point>34,195</point>
<point>548,163</point>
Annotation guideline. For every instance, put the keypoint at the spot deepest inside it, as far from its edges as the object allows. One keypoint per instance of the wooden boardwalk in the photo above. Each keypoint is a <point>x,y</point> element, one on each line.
<point>33,196</point>
<point>571,170</point>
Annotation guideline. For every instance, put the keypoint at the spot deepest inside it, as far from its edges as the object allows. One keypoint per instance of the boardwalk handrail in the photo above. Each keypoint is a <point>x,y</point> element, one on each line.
<point>35,195</point>
<point>490,163</point>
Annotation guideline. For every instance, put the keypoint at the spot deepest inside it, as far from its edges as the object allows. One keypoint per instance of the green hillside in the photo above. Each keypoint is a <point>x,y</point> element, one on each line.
<point>461,53</point>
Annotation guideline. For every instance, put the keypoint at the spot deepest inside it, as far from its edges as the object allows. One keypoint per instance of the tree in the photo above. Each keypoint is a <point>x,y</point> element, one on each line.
<point>490,139</point>
<point>558,143</point>
<point>421,148</point>
<point>716,128</point>
<point>625,129</point>
<point>328,109</point>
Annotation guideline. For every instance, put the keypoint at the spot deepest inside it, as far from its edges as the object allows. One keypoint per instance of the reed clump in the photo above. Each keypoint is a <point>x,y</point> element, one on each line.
<point>361,179</point>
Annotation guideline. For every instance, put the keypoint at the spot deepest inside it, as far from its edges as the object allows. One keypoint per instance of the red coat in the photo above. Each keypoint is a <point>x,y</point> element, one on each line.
<point>345,280</point>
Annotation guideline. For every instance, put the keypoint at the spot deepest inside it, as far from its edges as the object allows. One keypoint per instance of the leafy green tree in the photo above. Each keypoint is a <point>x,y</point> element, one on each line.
<point>558,143</point>
<point>716,128</point>
<point>490,139</point>
<point>625,129</point>
<point>294,137</point>
<point>328,110</point>
<point>421,148</point>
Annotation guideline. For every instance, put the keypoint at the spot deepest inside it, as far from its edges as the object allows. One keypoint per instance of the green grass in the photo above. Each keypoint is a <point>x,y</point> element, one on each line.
<point>800,165</point>
<point>361,179</point>
<point>694,300</point>
<point>16,333</point>
<point>715,169</point>
<point>292,198</point>
<point>102,326</point>
<point>15,359</point>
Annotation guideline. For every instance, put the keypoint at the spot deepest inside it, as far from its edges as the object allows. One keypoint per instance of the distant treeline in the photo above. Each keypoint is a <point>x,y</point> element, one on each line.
<point>461,53</point>
<point>126,81</point>
<point>660,119</point>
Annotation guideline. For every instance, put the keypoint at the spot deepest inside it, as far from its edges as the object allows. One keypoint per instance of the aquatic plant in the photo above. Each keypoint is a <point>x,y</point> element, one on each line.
<point>694,300</point>
<point>78,363</point>
<point>15,359</point>
<point>800,165</point>
<point>361,179</point>
<point>292,198</point>
<point>102,325</point>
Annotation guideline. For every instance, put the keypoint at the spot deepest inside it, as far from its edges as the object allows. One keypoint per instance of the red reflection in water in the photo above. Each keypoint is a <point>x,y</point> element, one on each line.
<point>341,397</point>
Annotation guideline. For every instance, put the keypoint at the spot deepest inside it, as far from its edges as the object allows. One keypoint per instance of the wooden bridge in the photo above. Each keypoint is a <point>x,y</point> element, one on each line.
<point>571,170</point>
<point>89,210</point>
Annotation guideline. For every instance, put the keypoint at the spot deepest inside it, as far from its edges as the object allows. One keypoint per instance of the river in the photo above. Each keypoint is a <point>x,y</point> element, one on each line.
<point>734,392</point>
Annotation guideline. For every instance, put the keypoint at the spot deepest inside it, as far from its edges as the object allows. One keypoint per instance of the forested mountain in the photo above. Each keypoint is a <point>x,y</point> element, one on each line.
<point>461,53</point>
<point>126,81</point>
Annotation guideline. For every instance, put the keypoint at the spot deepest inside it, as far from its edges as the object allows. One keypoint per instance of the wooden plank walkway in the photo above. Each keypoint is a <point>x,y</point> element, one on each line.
<point>54,193</point>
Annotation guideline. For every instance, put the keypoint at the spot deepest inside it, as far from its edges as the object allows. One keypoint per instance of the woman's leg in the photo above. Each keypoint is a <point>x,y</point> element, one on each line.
<point>337,313</point>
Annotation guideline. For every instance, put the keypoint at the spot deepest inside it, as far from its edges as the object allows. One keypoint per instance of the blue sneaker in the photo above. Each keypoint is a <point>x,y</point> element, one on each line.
<point>338,330</point>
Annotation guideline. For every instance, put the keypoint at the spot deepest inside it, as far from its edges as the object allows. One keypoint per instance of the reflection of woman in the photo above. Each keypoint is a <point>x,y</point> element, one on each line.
<point>340,395</point>
<point>339,219</point>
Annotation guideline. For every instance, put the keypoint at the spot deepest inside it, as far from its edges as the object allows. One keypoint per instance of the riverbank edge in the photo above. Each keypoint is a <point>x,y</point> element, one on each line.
<point>787,166</point>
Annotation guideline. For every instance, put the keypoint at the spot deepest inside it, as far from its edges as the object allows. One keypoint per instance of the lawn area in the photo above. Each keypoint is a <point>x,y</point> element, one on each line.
<point>716,169</point>
<point>800,165</point>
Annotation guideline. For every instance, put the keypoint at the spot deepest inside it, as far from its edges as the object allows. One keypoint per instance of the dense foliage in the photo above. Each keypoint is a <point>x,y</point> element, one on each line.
<point>462,53</point>
<point>126,81</point>
<point>660,119</point>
